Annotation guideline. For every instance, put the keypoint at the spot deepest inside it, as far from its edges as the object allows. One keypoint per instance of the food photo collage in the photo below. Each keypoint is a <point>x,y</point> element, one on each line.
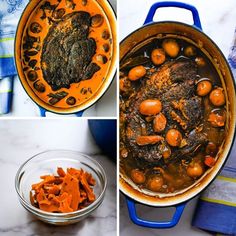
<point>117,118</point>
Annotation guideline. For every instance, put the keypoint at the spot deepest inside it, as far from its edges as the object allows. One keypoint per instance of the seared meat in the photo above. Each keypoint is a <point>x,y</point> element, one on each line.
<point>194,141</point>
<point>173,84</point>
<point>186,112</point>
<point>67,51</point>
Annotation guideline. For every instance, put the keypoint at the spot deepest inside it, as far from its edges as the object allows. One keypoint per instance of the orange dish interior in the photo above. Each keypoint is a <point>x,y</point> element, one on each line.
<point>80,92</point>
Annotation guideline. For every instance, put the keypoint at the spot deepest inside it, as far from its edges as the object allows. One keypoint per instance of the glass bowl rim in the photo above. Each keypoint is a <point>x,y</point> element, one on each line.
<point>39,212</point>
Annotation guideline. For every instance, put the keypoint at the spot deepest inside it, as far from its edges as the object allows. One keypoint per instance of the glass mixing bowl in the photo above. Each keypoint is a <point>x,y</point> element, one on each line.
<point>46,163</point>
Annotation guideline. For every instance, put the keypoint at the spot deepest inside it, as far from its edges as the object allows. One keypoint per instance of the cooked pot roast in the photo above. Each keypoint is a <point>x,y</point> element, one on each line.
<point>67,51</point>
<point>172,115</point>
<point>174,84</point>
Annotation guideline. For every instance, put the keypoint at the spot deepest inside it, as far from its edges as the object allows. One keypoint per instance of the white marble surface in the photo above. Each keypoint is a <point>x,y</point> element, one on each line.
<point>23,106</point>
<point>218,22</point>
<point>21,139</point>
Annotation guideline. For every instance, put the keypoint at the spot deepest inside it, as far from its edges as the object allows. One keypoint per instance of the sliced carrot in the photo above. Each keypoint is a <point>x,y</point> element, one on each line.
<point>70,185</point>
<point>83,196</point>
<point>65,202</point>
<point>65,206</point>
<point>44,176</point>
<point>61,172</point>
<point>47,180</point>
<point>67,192</point>
<point>88,190</point>
<point>209,161</point>
<point>41,196</point>
<point>217,120</point>
<point>76,173</point>
<point>45,202</point>
<point>55,189</point>
<point>54,199</point>
<point>48,207</point>
<point>90,179</point>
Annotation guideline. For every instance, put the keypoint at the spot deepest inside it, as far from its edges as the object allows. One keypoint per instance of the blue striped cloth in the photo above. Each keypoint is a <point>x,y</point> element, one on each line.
<point>216,209</point>
<point>10,11</point>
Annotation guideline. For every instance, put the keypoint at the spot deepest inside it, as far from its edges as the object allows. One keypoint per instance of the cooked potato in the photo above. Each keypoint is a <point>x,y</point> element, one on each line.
<point>71,100</point>
<point>190,51</point>
<point>150,107</point>
<point>171,47</point>
<point>124,153</point>
<point>137,73</point>
<point>97,20</point>
<point>159,123</point>
<point>203,88</point>
<point>137,176</point>
<point>217,119</point>
<point>59,13</point>
<point>173,137</point>
<point>40,87</point>
<point>105,34</point>
<point>158,56</point>
<point>155,183</point>
<point>217,97</point>
<point>165,151</point>
<point>32,75</point>
<point>200,61</point>
<point>195,169</point>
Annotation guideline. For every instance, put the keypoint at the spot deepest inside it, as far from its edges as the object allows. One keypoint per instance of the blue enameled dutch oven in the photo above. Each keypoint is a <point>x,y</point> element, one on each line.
<point>104,133</point>
<point>194,35</point>
<point>34,6</point>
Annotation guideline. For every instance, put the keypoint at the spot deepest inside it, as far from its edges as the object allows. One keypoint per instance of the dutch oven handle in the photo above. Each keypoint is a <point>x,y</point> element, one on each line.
<point>154,224</point>
<point>180,207</point>
<point>43,112</point>
<point>155,6</point>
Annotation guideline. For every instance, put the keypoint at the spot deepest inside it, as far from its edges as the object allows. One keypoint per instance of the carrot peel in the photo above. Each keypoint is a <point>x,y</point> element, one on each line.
<point>67,192</point>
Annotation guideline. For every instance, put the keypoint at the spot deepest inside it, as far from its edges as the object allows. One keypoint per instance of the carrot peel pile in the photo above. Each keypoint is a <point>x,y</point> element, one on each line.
<point>65,192</point>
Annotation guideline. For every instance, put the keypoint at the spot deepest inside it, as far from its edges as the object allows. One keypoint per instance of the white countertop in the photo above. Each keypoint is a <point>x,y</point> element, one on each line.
<point>218,22</point>
<point>23,106</point>
<point>21,139</point>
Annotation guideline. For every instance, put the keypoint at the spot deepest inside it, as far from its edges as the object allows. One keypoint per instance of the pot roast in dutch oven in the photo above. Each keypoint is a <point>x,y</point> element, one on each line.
<point>172,114</point>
